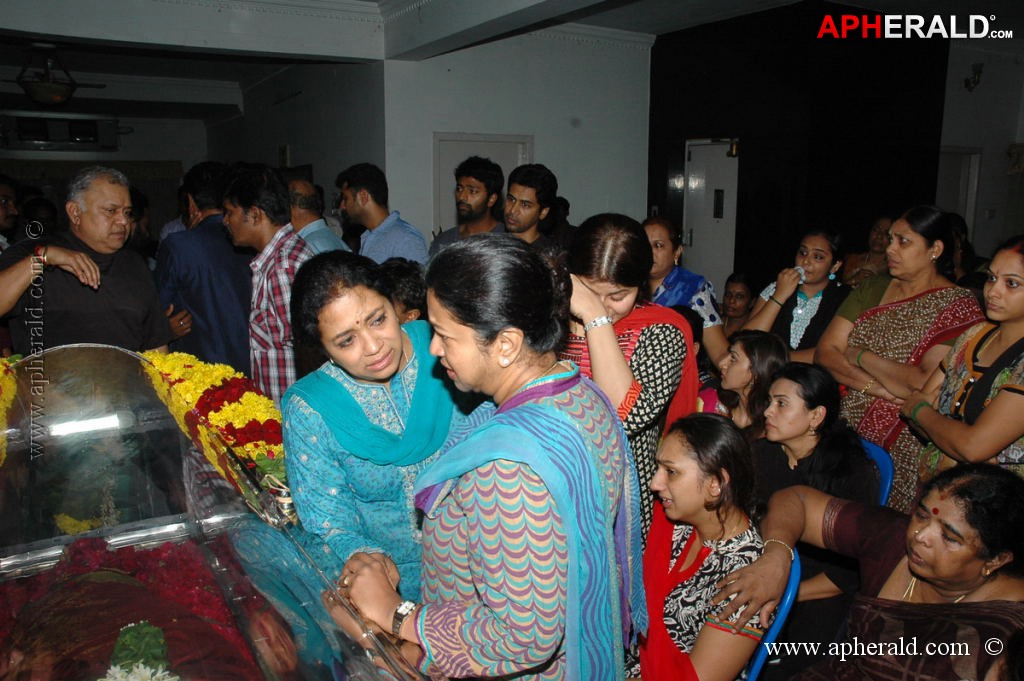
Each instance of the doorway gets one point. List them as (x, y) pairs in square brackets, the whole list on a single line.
[(710, 182), (452, 148)]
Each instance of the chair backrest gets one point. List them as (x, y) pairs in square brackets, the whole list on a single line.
[(760, 657), (886, 469)]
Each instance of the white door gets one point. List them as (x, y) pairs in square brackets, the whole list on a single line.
[(451, 149), (709, 209)]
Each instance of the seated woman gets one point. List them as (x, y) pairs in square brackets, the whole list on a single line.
[(360, 429), (754, 357), (862, 266), (803, 299), (737, 302), (951, 574), (641, 355), (702, 531), (670, 284), (531, 536), (891, 332), (971, 407), (806, 443)]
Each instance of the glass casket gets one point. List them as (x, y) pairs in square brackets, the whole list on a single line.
[(132, 535)]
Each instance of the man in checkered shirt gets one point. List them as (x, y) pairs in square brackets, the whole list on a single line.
[(257, 213)]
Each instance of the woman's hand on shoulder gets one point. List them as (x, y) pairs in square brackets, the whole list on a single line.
[(756, 588), (787, 283)]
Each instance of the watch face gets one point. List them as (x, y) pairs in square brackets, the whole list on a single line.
[(405, 607)]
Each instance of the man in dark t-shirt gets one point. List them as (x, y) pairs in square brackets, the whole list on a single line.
[(83, 286)]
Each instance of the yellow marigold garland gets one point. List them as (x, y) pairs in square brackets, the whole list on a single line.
[(8, 392), (215, 404)]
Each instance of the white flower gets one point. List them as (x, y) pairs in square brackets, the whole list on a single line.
[(139, 672)]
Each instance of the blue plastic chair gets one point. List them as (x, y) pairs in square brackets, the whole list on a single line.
[(886, 469), (760, 658)]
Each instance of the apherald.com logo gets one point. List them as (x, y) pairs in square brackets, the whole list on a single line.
[(909, 26)]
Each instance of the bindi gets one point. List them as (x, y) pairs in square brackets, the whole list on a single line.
[(935, 511)]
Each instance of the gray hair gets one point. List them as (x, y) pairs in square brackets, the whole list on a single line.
[(86, 176)]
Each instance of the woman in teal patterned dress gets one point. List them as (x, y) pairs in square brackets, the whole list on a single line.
[(358, 430), (971, 407), (531, 537)]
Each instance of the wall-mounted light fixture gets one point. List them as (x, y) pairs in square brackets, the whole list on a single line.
[(975, 77)]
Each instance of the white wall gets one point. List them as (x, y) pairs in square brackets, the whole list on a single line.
[(330, 116), (584, 96), (989, 119)]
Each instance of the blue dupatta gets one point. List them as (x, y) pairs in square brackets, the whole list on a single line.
[(548, 441), (426, 428)]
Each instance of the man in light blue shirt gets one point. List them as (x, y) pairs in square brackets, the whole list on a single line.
[(364, 200), (308, 218)]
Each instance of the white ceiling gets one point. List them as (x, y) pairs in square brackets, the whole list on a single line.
[(409, 29)]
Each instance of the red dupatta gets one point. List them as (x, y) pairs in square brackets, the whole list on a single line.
[(660, 658), (627, 331)]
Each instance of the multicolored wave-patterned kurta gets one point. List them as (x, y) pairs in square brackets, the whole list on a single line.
[(531, 541)]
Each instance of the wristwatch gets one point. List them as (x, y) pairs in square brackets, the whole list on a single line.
[(603, 320), (404, 609)]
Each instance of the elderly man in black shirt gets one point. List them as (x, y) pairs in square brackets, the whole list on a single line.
[(82, 286)]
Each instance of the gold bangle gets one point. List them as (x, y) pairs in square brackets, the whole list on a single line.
[(779, 541), (867, 386)]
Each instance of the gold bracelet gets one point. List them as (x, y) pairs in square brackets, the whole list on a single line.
[(779, 541), (867, 386)]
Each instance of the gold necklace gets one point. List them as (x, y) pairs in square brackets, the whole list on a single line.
[(913, 582)]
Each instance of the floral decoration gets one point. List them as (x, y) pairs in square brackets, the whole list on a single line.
[(8, 391), (174, 572), (217, 405)]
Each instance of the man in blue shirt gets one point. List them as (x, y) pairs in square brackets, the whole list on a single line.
[(364, 200), (199, 270), (308, 218)]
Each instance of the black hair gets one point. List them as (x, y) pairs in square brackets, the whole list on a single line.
[(494, 282), (673, 233), (8, 181), (834, 239), (204, 182), (485, 171), (1014, 244), (365, 176), (740, 278), (404, 281), (312, 202), (538, 178), (833, 460), (255, 185), (614, 248), (718, 445), (992, 501), (767, 354), (935, 225), (322, 279)]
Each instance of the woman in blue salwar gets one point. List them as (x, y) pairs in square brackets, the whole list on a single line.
[(358, 430)]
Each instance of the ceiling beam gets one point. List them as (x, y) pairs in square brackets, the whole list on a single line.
[(419, 29), (342, 30)]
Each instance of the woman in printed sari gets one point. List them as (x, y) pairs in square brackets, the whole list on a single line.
[(971, 407), (640, 354), (891, 333), (359, 429), (531, 538)]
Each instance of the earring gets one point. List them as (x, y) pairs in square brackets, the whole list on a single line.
[(934, 258), (985, 572), (503, 361), (831, 276)]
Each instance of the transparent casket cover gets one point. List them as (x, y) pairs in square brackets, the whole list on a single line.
[(109, 516)]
